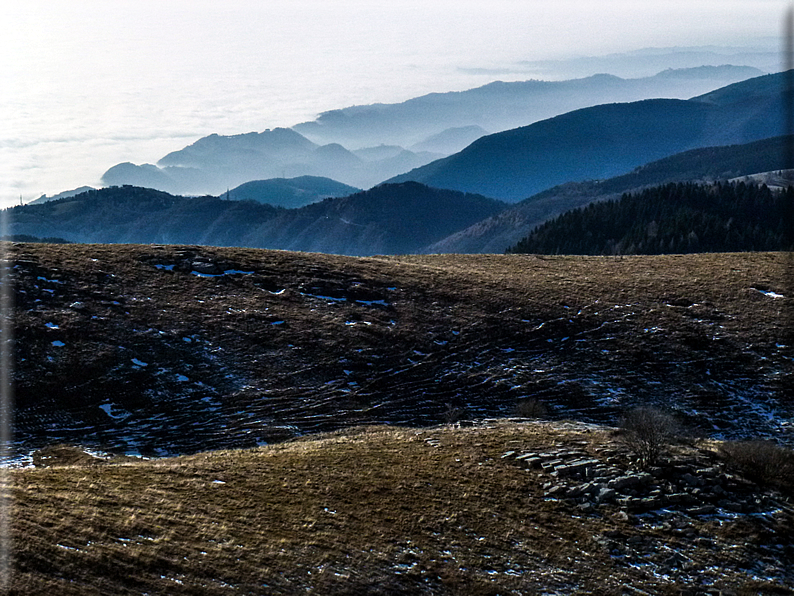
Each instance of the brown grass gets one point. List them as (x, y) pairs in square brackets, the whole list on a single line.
[(763, 461), (372, 510)]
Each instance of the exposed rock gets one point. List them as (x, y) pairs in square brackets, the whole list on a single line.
[(606, 495)]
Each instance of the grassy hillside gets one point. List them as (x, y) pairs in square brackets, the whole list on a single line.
[(384, 511), (167, 350)]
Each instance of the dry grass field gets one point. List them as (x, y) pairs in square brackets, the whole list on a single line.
[(376, 510)]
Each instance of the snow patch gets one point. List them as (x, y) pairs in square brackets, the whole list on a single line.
[(373, 302), (770, 293), (237, 272), (108, 409), (326, 298), (227, 272)]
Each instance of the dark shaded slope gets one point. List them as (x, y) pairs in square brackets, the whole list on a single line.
[(180, 349), (397, 218), (675, 218), (388, 219), (606, 141), (708, 164), (142, 215)]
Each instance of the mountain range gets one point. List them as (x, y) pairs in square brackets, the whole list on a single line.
[(216, 163), (390, 218), (431, 127), (646, 62), (565, 162), (500, 106), (607, 140)]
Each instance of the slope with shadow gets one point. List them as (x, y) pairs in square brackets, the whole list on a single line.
[(709, 164), (674, 218), (121, 214), (607, 140), (393, 218), (178, 349), (388, 219), (290, 193)]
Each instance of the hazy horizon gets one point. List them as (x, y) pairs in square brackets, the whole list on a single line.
[(92, 84)]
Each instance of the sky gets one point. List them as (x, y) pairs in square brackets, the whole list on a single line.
[(91, 83)]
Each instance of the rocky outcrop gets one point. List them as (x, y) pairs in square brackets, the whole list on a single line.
[(686, 486), (668, 520)]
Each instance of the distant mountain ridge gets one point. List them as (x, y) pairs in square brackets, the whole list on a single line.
[(500, 106), (646, 62), (388, 219), (216, 162), (60, 195), (607, 140)]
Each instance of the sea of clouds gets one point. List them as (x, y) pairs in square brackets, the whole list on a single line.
[(91, 84)]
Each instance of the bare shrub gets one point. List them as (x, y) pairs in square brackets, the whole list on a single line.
[(647, 432), (531, 408), (764, 462), (453, 414)]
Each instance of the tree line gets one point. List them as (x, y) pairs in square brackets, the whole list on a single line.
[(673, 218)]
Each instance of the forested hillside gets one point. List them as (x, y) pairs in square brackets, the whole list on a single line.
[(674, 218), (388, 219), (761, 159)]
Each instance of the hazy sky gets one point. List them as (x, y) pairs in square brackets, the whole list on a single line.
[(90, 83)]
